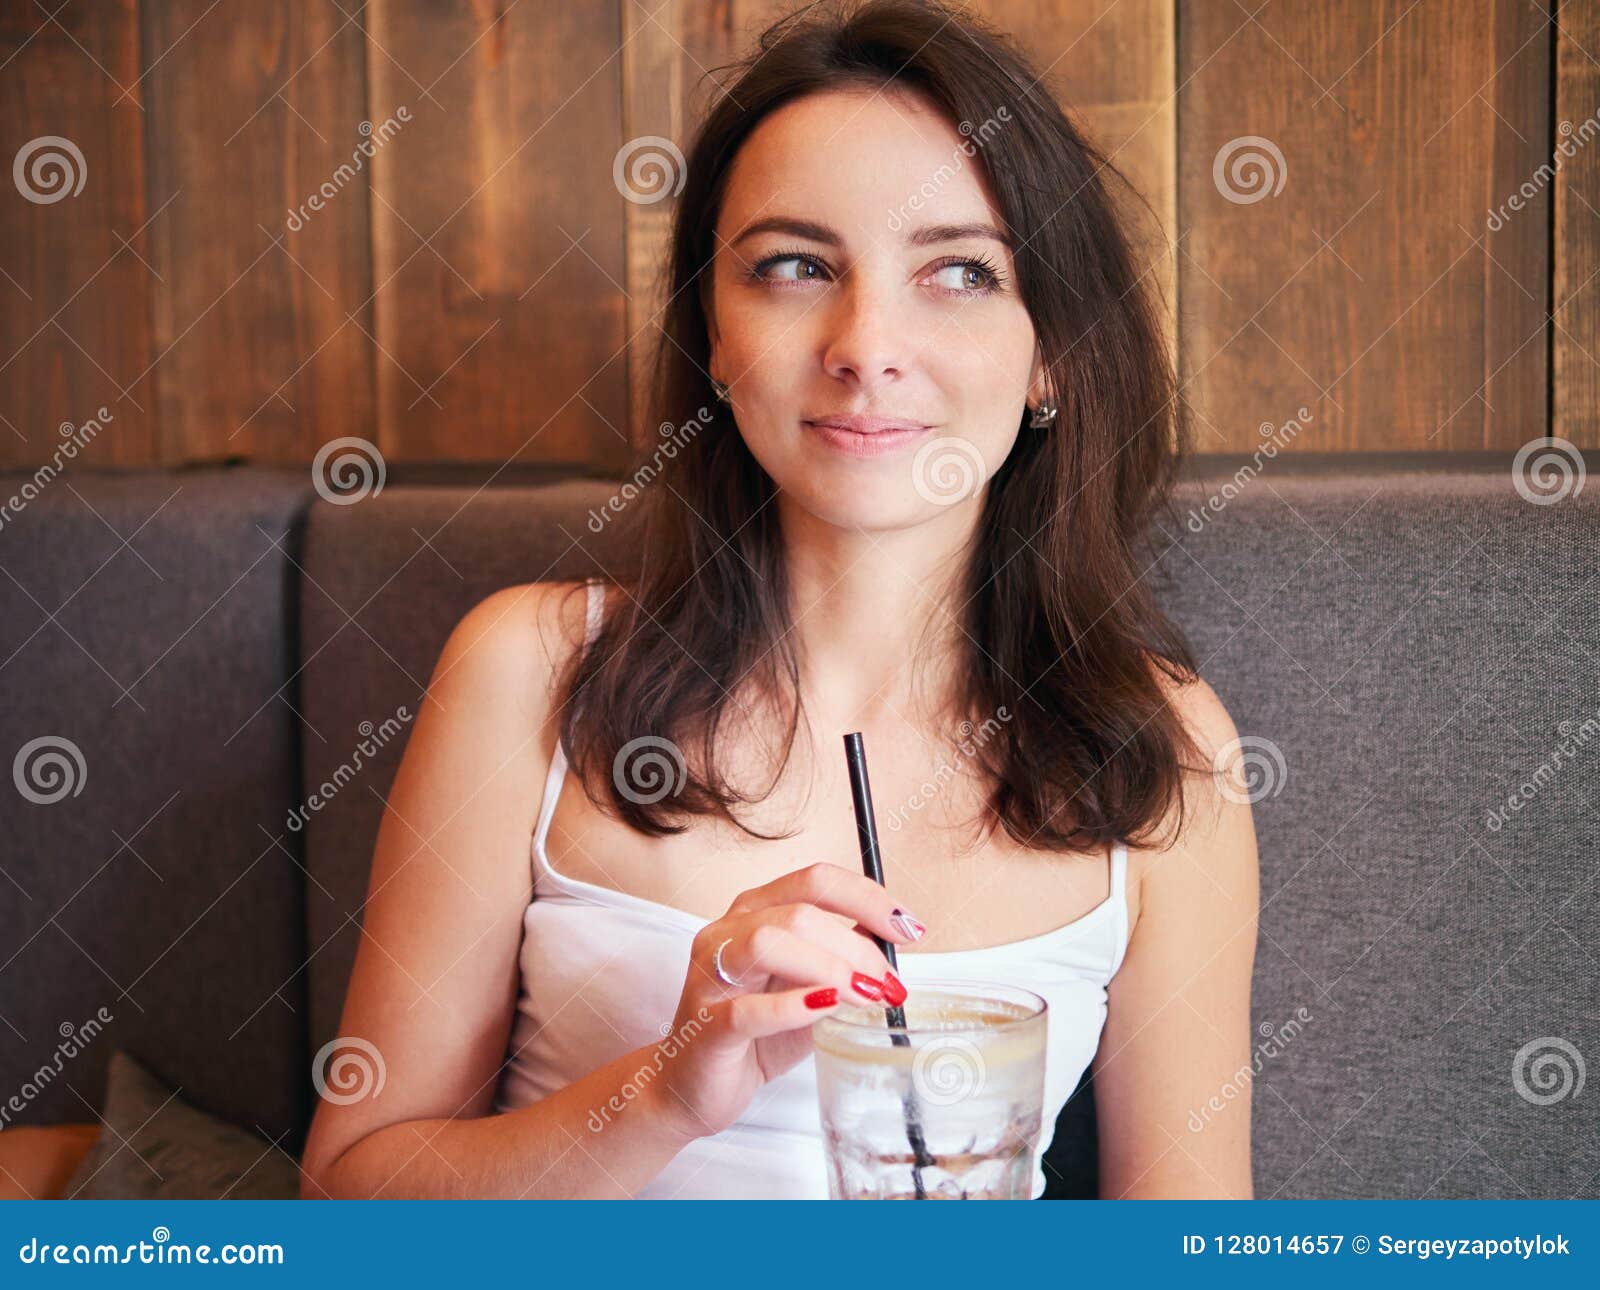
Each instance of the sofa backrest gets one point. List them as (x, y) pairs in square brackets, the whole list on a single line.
[(1407, 644), (146, 635), (1400, 641)]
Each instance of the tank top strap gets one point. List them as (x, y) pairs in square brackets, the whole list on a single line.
[(596, 608), (1119, 872)]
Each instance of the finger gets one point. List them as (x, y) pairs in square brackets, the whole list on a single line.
[(835, 888), (768, 948), (755, 1016), (833, 933)]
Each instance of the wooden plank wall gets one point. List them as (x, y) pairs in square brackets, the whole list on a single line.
[(307, 219)]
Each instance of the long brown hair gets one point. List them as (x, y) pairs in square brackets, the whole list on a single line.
[(1061, 635)]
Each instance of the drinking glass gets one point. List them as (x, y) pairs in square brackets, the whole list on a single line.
[(946, 1106)]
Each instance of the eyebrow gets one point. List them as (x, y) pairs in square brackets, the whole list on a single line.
[(927, 235)]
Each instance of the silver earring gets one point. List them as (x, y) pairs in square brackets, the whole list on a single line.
[(720, 389), (1043, 415)]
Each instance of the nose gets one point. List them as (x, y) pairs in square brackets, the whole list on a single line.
[(866, 342)]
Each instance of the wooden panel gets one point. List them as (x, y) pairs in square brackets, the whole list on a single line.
[(1373, 289), (498, 232), (252, 111), (74, 330), (1576, 324)]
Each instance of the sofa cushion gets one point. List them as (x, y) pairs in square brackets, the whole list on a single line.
[(158, 1147), (151, 888), (1405, 642)]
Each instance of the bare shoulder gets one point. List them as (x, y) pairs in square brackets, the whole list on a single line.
[(510, 645), (1212, 837)]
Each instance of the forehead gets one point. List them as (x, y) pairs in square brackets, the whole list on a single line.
[(870, 163)]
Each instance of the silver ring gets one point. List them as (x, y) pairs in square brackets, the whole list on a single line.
[(716, 962)]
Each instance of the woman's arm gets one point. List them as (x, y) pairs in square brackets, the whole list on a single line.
[(435, 981), (1178, 1029)]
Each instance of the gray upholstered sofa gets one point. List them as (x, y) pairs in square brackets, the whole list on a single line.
[(1414, 641)]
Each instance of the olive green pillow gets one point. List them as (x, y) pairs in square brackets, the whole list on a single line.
[(155, 1146)]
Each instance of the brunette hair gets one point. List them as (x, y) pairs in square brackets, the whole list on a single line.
[(1062, 637)]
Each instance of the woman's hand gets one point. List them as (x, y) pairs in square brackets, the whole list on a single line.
[(798, 947)]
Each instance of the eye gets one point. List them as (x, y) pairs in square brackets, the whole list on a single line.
[(804, 268), (967, 277)]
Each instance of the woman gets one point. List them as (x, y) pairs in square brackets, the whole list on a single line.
[(923, 416)]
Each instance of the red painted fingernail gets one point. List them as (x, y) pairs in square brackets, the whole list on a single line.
[(824, 998), (907, 925), (868, 987), (894, 992)]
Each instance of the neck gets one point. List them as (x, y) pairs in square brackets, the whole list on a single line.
[(876, 613)]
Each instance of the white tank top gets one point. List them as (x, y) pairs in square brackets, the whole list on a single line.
[(601, 973)]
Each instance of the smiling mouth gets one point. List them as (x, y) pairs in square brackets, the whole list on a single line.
[(887, 438)]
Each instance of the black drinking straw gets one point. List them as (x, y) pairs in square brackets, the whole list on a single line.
[(872, 865)]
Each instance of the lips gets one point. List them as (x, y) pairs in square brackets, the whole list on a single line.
[(881, 437), (863, 424)]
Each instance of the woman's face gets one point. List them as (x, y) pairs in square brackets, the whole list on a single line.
[(852, 279)]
